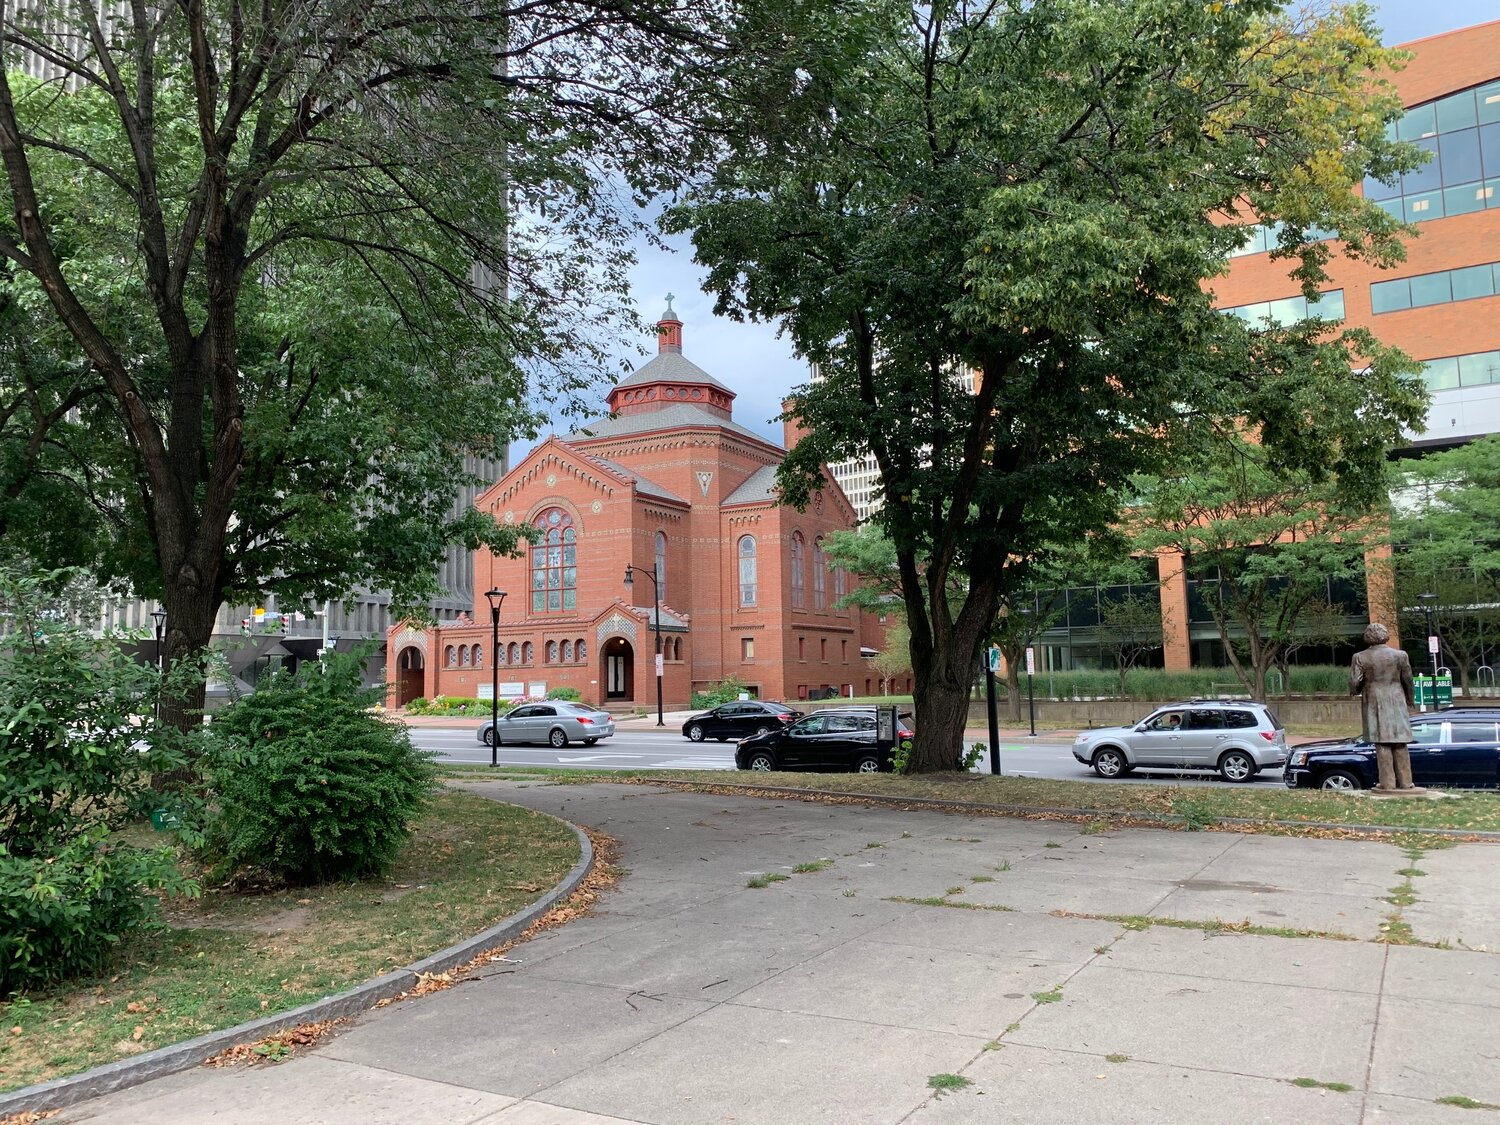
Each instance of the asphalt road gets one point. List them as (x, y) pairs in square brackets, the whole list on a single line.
[(637, 749)]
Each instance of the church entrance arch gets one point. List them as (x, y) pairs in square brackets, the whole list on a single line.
[(619, 670), (409, 669)]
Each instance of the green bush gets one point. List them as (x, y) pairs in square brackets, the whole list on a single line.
[(1159, 684), (725, 691), (308, 785), (460, 706), (77, 755), (570, 694)]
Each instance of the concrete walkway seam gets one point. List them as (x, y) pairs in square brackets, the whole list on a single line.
[(942, 804), (123, 1073)]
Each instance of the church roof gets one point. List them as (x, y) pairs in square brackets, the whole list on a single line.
[(680, 416), (759, 487), (641, 483), (669, 620), (672, 367)]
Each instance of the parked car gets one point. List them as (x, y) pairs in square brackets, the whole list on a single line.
[(1451, 749), (835, 738), (739, 719), (556, 722), (1238, 739)]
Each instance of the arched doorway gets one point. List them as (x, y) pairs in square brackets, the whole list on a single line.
[(619, 670), (409, 668)]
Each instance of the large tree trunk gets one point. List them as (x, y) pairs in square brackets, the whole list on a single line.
[(1012, 690), (942, 703)]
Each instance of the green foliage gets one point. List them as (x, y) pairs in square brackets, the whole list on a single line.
[(934, 202), (973, 757), (457, 705), (571, 694), (77, 754), (1158, 685), (308, 784), (725, 691)]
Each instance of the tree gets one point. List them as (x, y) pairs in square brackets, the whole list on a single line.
[(1262, 543), (1033, 194), (1447, 532), (1129, 628), (311, 253)]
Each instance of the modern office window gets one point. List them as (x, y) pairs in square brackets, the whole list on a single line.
[(554, 563), (1287, 311), (1461, 132), (1261, 238), (747, 570), (1435, 288), (1478, 369)]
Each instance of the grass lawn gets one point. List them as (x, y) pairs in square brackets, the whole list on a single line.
[(1475, 812), (228, 958)]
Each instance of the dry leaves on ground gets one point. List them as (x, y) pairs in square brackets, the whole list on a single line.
[(274, 1048), (29, 1117)]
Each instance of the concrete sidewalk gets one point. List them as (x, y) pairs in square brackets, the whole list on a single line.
[(835, 995)]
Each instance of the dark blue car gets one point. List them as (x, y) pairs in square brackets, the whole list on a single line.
[(1455, 749)]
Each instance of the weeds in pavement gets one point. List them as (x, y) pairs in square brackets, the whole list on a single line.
[(934, 901), (947, 1083), (1314, 1084), (1464, 1103), (1050, 997), (1117, 1058), (815, 865), (759, 881)]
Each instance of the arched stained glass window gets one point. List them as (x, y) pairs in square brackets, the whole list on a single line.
[(479, 656), (799, 588), (840, 585), (513, 653), (528, 653), (567, 652), (820, 575), (551, 652), (554, 563), (747, 570), (450, 657), (580, 651)]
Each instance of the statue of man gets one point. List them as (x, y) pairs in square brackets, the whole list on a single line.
[(1381, 676)]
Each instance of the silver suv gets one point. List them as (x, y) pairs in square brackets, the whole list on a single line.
[(1238, 739)]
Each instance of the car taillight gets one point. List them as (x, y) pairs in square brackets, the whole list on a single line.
[(582, 719), (1268, 735), (902, 732)]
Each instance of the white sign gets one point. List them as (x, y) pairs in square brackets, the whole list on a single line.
[(994, 660), (659, 669), (486, 691), (1031, 661), (537, 689), (513, 689), (1433, 646)]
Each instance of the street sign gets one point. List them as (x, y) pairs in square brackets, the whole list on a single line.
[(1030, 661), (994, 660), (1434, 646), (659, 669)]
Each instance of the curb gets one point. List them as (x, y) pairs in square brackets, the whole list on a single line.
[(942, 804), (123, 1073)]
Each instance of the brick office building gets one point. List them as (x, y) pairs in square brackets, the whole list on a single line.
[(668, 481)]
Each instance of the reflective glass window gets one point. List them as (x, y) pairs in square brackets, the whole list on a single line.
[(1488, 98), (1463, 199), (1456, 112), (1390, 296), (1420, 208), (1376, 189), (1460, 153), (1329, 306), (1288, 311), (1430, 289), (1489, 149), (1418, 122), (1428, 175), (1480, 369), (1441, 374), (1476, 281)]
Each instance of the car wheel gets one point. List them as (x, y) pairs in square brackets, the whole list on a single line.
[(868, 763), (695, 732), (558, 738), (1110, 763), (590, 741), (1341, 781), (762, 729), (1236, 766), (489, 737), (762, 761)]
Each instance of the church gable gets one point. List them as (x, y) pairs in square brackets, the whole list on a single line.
[(552, 466)]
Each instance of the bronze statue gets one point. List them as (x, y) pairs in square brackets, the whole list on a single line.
[(1381, 676)]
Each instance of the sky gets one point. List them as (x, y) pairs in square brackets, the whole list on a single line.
[(757, 363)]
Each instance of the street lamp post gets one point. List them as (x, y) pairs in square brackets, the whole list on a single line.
[(160, 617), (656, 623), (1027, 611), (496, 599), (1432, 644)]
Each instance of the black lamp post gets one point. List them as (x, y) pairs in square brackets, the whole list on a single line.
[(656, 623), (160, 617), (1432, 649), (496, 599)]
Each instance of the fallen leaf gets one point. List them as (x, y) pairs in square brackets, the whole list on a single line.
[(135, 1006), (137, 1033)]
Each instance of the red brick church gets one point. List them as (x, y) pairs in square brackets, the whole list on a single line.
[(669, 482)]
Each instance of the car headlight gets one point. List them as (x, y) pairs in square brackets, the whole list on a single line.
[(1299, 758)]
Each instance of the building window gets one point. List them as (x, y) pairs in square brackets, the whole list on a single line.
[(567, 652), (580, 651), (822, 648), (747, 570), (799, 594), (450, 657), (1435, 288), (1290, 310), (661, 565), (479, 656), (820, 575), (840, 587), (1479, 369), (747, 648), (554, 563), (844, 651), (551, 652), (528, 653), (513, 653), (801, 648)]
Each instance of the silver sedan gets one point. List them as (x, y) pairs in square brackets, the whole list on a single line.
[(556, 722)]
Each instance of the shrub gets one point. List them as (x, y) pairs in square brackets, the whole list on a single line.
[(1157, 684), (571, 694), (725, 691), (308, 785), (77, 754), (454, 705)]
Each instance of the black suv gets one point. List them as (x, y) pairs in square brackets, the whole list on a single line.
[(835, 738), (1457, 748), (739, 720)]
